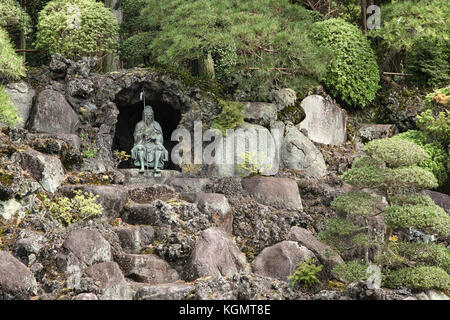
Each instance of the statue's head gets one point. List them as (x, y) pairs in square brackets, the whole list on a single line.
[(148, 113)]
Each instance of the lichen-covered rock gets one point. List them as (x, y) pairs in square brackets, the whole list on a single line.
[(147, 268), (166, 291), (29, 243), (16, 281), (280, 261), (369, 131), (47, 170), (299, 153), (214, 205), (53, 114), (183, 184), (261, 113), (83, 248), (215, 254), (21, 94), (109, 281), (9, 209), (280, 193), (325, 122), (135, 239), (283, 98)]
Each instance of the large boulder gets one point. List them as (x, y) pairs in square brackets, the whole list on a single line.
[(325, 122), (166, 291), (280, 193), (215, 254), (21, 94), (83, 248), (283, 98), (280, 260), (135, 239), (112, 198), (147, 268), (47, 170), (110, 284), (299, 153), (369, 131), (216, 206), (260, 113), (53, 114), (322, 251), (16, 281)]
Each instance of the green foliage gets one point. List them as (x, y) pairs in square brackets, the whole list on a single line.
[(136, 47), (89, 148), (351, 271), (255, 44), (405, 178), (403, 22), (81, 207), (306, 274), (366, 161), (11, 65), (422, 277), (357, 203), (431, 218), (436, 127), (428, 63), (119, 157), (353, 74), (253, 163), (61, 31), (342, 234), (425, 253), (231, 116), (438, 158), (13, 18), (395, 153), (365, 176), (8, 111), (411, 199)]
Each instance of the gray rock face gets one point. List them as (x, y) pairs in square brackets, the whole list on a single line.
[(21, 94), (47, 170), (53, 114), (323, 252), (85, 296), (299, 153), (110, 282), (16, 281), (135, 239), (280, 261), (215, 254), (261, 113), (325, 122), (83, 248), (29, 243), (369, 131), (112, 198), (214, 205), (147, 268), (283, 98), (189, 184), (280, 193), (166, 291), (9, 209)]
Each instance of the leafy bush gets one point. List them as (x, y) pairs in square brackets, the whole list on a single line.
[(428, 63), (351, 271), (11, 65), (8, 111), (231, 116), (306, 274), (135, 48), (356, 203), (438, 158), (67, 211), (59, 31), (342, 234), (255, 44), (422, 277), (13, 18), (427, 253), (353, 73)]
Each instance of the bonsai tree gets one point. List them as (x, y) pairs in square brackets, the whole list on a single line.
[(390, 168), (77, 28)]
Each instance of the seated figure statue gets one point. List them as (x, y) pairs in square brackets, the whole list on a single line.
[(148, 150)]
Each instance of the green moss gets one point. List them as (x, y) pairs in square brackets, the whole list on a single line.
[(294, 114), (6, 179)]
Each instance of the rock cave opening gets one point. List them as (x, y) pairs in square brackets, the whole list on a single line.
[(131, 108)]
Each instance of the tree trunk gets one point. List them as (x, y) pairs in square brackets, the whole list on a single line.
[(206, 67), (112, 60), (364, 15)]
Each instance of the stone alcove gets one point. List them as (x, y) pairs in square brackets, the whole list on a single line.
[(167, 110)]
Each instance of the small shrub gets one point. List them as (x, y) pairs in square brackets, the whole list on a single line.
[(119, 157), (231, 116), (253, 163), (437, 127), (427, 253), (353, 74), (67, 211), (13, 18), (341, 234), (8, 111), (422, 278), (357, 203), (306, 274), (351, 271), (88, 147), (11, 65)]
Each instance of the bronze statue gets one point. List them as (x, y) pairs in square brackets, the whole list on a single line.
[(148, 150)]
